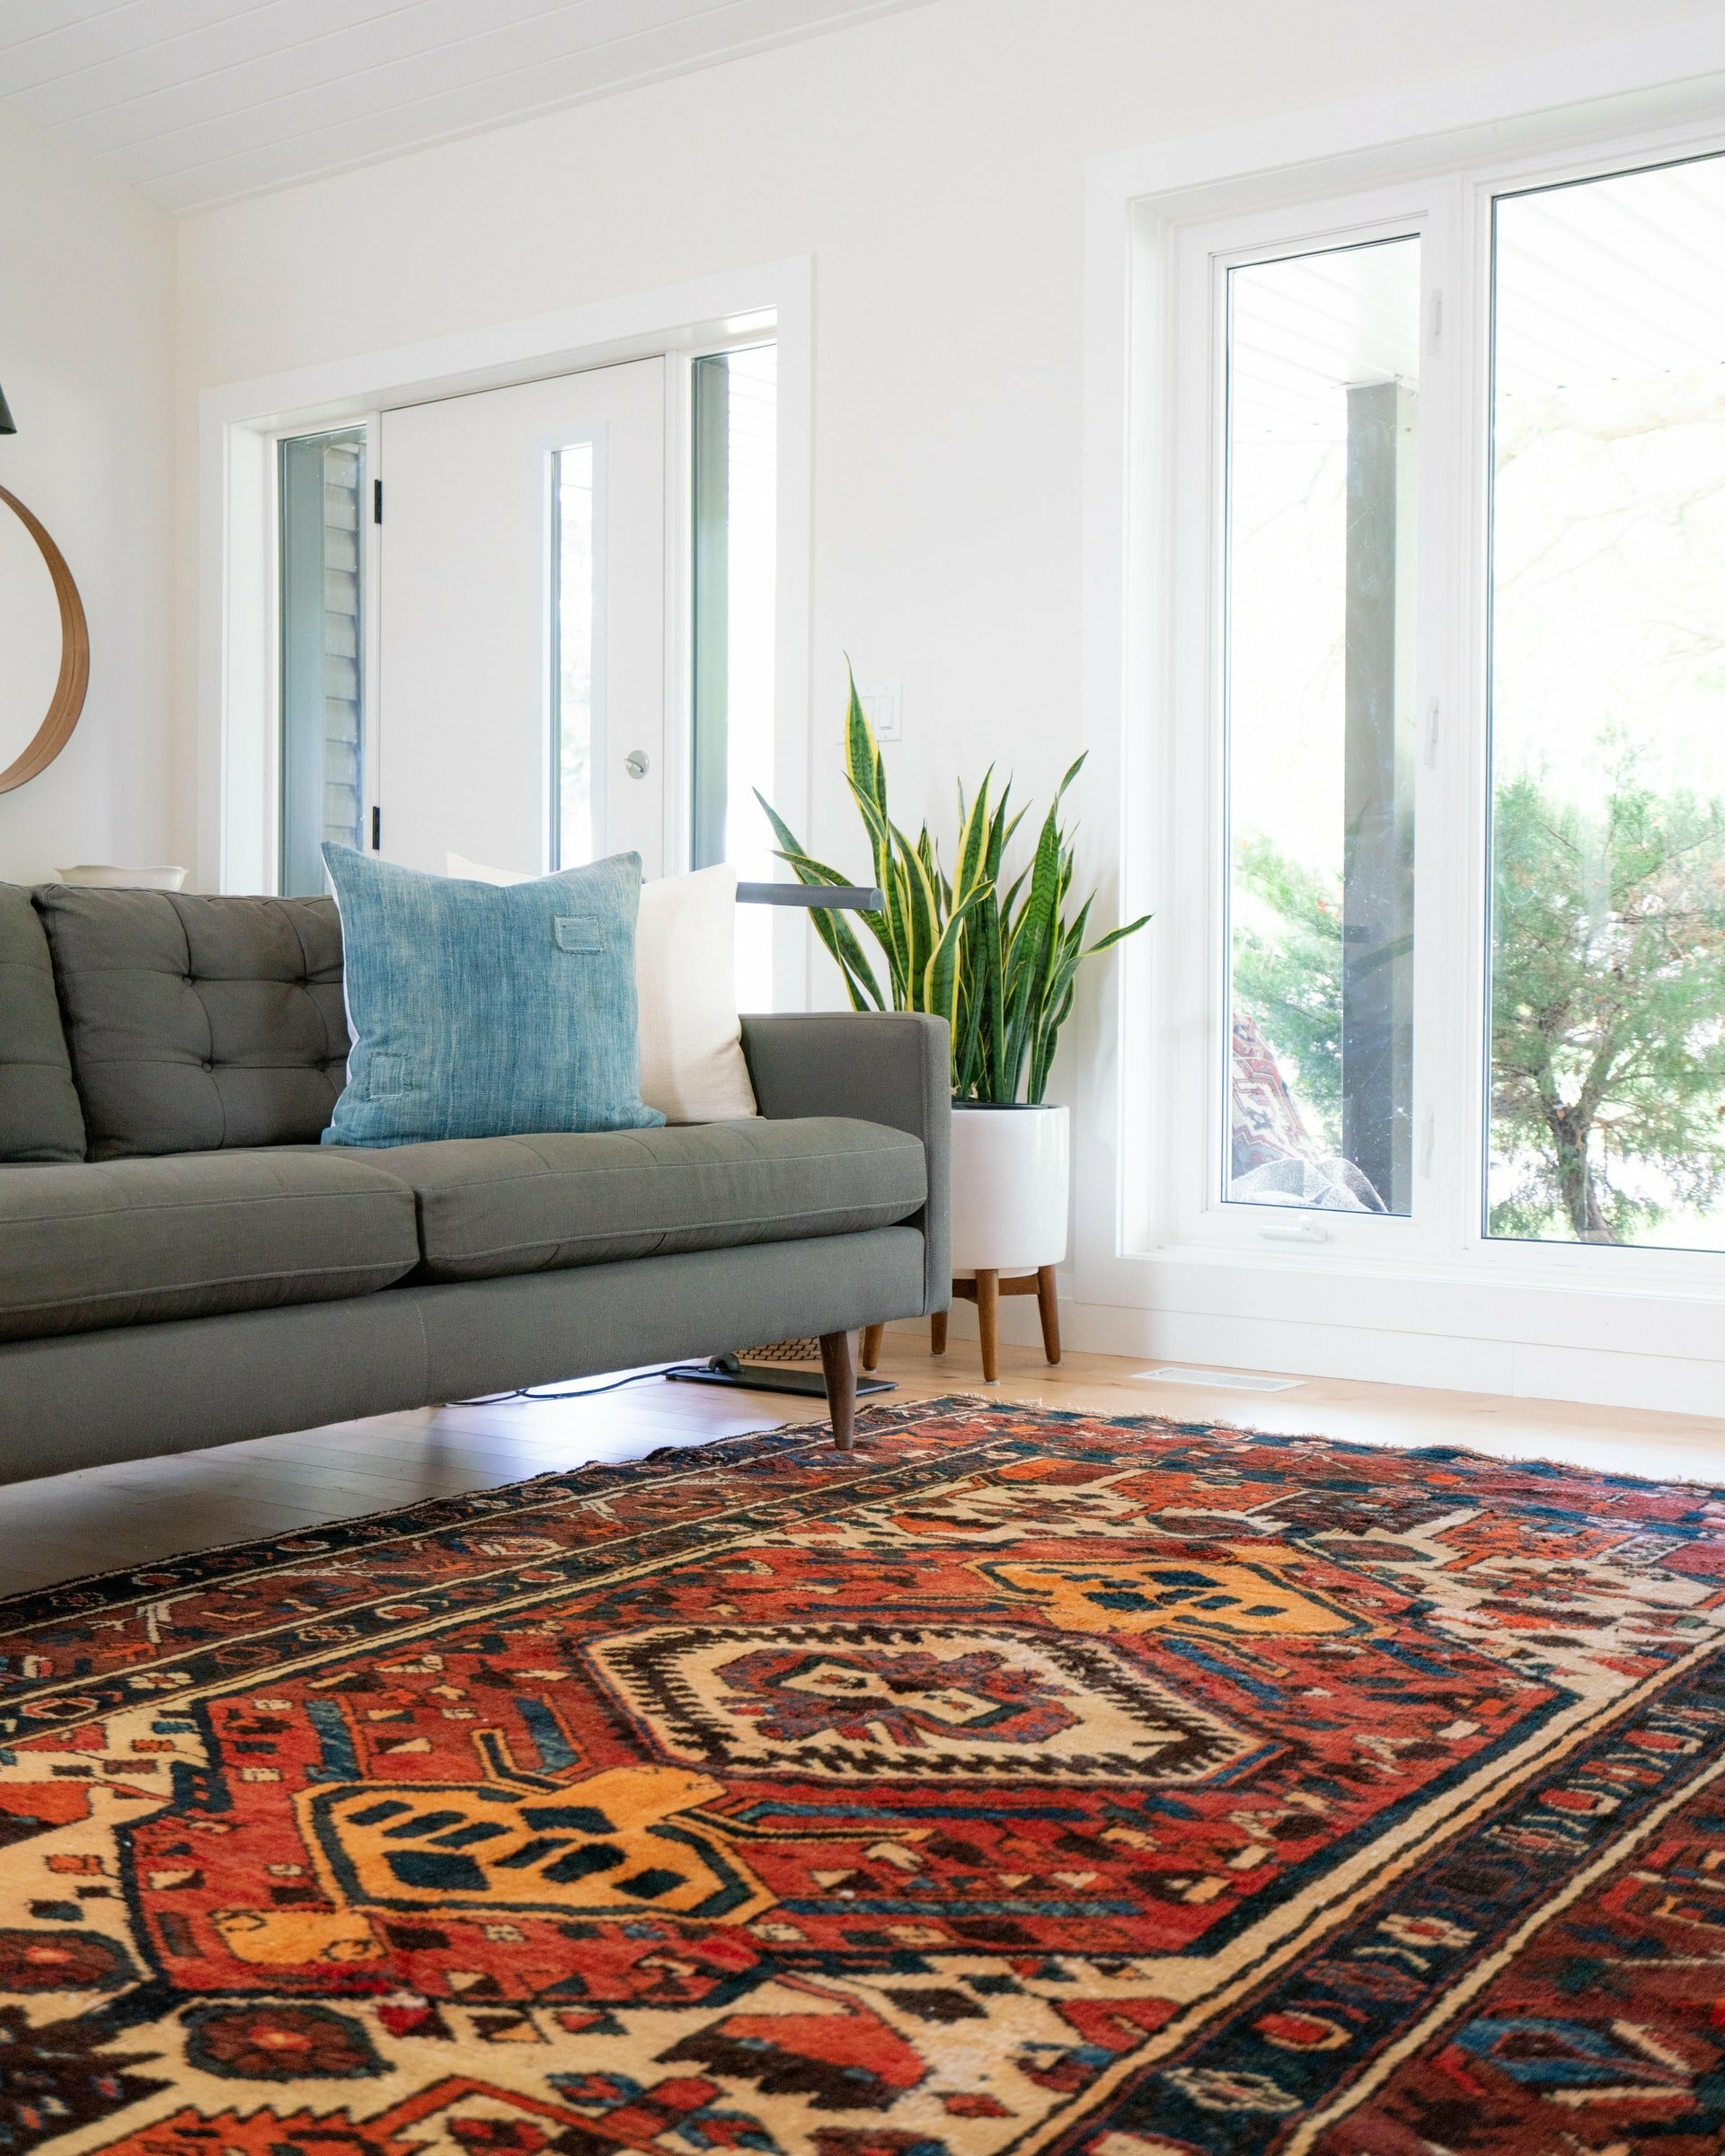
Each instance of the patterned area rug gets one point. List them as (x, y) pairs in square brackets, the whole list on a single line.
[(1023, 1781)]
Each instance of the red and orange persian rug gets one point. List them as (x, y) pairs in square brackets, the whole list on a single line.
[(1023, 1781)]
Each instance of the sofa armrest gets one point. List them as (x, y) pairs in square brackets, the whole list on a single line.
[(881, 1066)]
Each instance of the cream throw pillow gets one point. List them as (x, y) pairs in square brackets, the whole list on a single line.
[(692, 1066)]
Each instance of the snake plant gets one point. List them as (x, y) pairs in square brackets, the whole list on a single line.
[(997, 963)]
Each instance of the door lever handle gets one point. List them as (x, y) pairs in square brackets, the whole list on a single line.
[(637, 764)]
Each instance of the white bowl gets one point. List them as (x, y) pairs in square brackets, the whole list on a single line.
[(103, 877)]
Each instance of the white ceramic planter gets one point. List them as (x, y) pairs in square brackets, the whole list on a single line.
[(1010, 1179)]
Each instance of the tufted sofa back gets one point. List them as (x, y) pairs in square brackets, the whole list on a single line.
[(40, 1116), (198, 1022)]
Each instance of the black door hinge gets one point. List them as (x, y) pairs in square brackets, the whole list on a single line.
[(377, 501), (376, 829)]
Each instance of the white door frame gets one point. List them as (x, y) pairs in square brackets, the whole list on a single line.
[(239, 422)]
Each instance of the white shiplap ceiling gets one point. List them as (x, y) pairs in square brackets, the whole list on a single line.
[(198, 101)]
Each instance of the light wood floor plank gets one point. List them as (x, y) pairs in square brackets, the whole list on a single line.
[(139, 1512)]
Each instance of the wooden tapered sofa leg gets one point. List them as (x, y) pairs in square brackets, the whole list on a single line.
[(873, 1336), (840, 1372), (937, 1333)]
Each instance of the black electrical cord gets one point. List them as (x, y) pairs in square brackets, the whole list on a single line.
[(495, 1399)]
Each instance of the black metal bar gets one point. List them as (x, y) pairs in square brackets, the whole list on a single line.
[(842, 897), (768, 1377)]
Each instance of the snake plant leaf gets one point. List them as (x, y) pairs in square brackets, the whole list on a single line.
[(860, 983), (832, 927), (1116, 935), (1036, 924), (997, 958), (861, 751), (976, 834), (922, 910), (867, 780), (1036, 1085), (840, 939), (791, 849), (940, 980), (866, 771), (837, 933)]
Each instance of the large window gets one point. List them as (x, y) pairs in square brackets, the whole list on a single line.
[(1445, 722), (321, 779)]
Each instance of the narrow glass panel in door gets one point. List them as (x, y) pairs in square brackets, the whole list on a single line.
[(1607, 687), (735, 434), (577, 745), (321, 778), (1323, 368)]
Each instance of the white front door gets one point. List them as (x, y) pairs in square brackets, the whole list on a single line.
[(521, 624)]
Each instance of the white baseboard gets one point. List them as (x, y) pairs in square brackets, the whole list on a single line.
[(1519, 1370)]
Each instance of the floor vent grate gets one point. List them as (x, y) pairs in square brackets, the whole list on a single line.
[(1223, 1380)]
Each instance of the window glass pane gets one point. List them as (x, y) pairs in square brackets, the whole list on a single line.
[(577, 837), (1607, 1078), (321, 479), (1322, 419), (736, 567)]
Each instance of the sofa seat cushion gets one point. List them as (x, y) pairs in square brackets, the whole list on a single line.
[(89, 1245), (490, 1207)]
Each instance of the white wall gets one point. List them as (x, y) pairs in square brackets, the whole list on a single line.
[(932, 164), (86, 361)]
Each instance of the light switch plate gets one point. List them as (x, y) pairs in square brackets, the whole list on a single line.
[(884, 701)]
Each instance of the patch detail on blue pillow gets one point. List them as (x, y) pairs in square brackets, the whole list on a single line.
[(467, 1020), (385, 1075), (578, 934)]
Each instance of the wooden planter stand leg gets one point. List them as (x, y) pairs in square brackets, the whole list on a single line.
[(989, 1323), (873, 1336), (840, 1373), (1047, 1304), (985, 1290), (937, 1333)]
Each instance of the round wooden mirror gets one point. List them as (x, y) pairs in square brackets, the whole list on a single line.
[(46, 643)]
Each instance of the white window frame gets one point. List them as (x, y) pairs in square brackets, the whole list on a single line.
[(1162, 1264), (1453, 218), (1190, 1178)]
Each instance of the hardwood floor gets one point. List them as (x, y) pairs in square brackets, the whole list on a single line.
[(100, 1518)]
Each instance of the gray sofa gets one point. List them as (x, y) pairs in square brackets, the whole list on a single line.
[(182, 1263)]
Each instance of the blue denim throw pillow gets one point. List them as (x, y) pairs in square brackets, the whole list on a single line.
[(478, 1011)]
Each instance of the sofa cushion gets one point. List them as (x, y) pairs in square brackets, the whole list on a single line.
[(484, 1009), (197, 1023), (495, 1205), (118, 1242), (40, 1115)]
